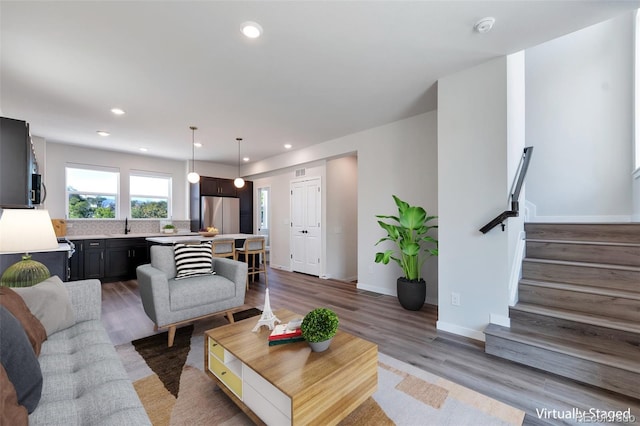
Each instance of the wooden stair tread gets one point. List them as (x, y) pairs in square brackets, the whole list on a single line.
[(580, 317), (609, 357), (583, 242), (582, 288), (583, 264)]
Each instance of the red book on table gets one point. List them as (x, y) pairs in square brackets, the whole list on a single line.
[(280, 331)]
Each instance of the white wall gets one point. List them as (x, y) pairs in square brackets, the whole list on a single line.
[(579, 92), (342, 218), (477, 115), (398, 158), (58, 155), (280, 185)]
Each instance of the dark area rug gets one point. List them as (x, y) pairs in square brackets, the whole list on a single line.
[(166, 362), (248, 313)]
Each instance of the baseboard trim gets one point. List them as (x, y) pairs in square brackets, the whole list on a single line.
[(500, 320), (374, 289), (461, 331), (581, 219), (281, 267)]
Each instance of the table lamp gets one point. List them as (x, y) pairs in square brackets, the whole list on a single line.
[(24, 231)]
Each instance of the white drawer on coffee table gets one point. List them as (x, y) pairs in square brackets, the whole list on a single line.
[(264, 399)]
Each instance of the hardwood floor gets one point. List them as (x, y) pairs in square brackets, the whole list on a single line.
[(406, 335)]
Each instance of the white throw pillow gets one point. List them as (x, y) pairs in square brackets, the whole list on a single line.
[(49, 302), (193, 260)]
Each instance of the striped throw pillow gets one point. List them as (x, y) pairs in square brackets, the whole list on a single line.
[(193, 260)]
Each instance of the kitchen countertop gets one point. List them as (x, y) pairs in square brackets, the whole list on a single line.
[(178, 238), (61, 247), (129, 235)]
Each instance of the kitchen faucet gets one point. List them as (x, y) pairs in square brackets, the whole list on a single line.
[(126, 228)]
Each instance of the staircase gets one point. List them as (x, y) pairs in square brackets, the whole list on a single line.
[(578, 313)]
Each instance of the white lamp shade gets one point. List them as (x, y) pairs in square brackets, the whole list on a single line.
[(193, 177), (26, 230), (238, 182)]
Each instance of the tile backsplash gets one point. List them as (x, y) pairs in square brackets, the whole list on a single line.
[(98, 227)]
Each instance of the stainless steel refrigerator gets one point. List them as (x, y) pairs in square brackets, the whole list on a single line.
[(220, 212)]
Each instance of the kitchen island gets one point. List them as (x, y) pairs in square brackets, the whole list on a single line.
[(239, 238)]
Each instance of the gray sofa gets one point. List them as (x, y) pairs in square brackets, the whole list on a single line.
[(84, 381), (169, 302)]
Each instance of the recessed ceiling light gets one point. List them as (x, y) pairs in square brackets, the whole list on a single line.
[(245, 159), (197, 144), (287, 145), (143, 149), (484, 25), (103, 133), (251, 29), (117, 111)]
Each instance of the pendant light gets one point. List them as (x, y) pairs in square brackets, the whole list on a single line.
[(193, 177), (238, 182)]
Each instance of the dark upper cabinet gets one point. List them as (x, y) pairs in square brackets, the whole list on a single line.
[(17, 164), (211, 186), (217, 187)]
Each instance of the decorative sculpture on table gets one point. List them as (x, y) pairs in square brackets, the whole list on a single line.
[(267, 318)]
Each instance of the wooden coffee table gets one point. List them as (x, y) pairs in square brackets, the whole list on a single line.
[(288, 383)]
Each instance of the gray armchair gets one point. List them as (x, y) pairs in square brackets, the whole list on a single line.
[(169, 302)]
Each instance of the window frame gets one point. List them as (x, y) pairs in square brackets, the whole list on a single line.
[(157, 175), (95, 168)]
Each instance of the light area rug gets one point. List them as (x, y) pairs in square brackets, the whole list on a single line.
[(406, 395)]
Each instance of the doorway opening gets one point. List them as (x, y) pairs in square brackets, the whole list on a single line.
[(264, 216)]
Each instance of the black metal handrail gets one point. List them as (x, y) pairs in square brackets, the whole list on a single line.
[(515, 195)]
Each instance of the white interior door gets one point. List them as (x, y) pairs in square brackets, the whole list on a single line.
[(306, 235)]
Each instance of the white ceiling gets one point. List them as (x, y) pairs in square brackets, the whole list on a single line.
[(322, 69)]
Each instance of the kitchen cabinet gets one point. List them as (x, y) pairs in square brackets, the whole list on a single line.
[(123, 256), (246, 208), (87, 260), (76, 262), (110, 259), (211, 186), (217, 187), (93, 259), (18, 166)]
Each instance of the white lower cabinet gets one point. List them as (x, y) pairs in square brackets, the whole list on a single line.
[(264, 399)]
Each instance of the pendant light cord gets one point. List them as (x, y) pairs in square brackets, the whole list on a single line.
[(193, 147), (239, 140)]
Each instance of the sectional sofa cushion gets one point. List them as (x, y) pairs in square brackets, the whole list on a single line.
[(49, 301), (31, 325), (19, 361)]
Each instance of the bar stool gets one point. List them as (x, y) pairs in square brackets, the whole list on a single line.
[(223, 247), (254, 245)]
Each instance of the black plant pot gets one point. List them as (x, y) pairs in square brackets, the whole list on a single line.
[(412, 293)]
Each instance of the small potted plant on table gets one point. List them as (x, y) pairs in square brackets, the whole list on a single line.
[(318, 328)]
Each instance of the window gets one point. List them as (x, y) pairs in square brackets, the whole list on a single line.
[(92, 192), (150, 196)]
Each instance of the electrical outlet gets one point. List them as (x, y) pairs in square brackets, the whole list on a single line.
[(455, 299)]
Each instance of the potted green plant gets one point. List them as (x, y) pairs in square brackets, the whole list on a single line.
[(168, 228), (409, 231), (318, 328)]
